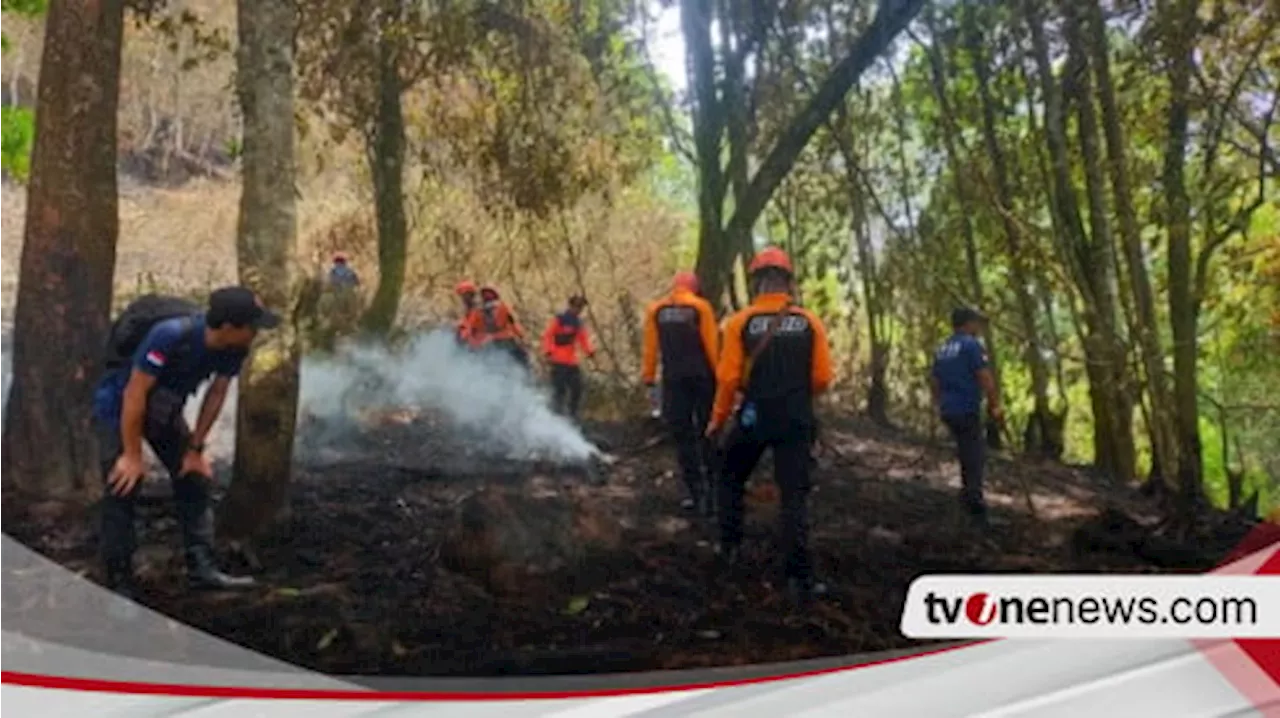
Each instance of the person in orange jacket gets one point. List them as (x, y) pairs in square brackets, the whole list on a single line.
[(564, 336), (466, 291), (493, 326), (774, 360), (681, 328)]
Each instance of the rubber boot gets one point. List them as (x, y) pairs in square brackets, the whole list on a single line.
[(196, 520), (203, 573)]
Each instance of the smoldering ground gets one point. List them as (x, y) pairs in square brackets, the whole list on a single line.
[(484, 404)]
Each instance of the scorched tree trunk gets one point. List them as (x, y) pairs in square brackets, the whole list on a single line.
[(68, 254)]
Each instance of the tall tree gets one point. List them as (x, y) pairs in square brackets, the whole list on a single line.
[(68, 256), (1147, 321), (721, 241), (1179, 22), (265, 245)]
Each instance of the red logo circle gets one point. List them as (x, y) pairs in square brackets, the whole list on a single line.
[(980, 609)]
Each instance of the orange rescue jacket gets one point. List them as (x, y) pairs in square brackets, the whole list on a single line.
[(681, 329), (564, 336), (732, 372)]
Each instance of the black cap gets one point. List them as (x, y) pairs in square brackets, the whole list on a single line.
[(577, 300), (961, 316), (241, 307)]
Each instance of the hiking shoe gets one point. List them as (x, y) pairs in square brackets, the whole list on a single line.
[(688, 504)]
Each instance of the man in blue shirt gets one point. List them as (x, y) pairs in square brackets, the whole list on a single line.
[(145, 400), (961, 376)]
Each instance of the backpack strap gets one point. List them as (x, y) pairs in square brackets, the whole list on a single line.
[(764, 343)]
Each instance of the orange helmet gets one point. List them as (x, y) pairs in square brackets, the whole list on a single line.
[(685, 280), (466, 286), (488, 293), (771, 257)]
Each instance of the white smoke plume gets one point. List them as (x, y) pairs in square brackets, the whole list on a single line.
[(488, 401), (485, 397)]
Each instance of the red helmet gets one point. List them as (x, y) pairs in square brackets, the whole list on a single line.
[(771, 257), (685, 280), (340, 257), (488, 293), (466, 286)]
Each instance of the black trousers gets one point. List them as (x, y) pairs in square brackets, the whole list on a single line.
[(791, 473), (566, 389), (165, 430), (686, 407), (967, 429)]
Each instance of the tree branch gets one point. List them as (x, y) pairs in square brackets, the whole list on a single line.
[(891, 18)]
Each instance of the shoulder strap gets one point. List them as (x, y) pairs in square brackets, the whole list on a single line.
[(764, 342)]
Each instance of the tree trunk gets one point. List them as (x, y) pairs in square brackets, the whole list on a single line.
[(386, 163), (265, 244), (1014, 242), (968, 209), (1076, 251), (1179, 43), (718, 247), (1111, 397), (714, 255), (1148, 335), (68, 256)]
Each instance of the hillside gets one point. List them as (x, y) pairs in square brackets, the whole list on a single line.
[(406, 554)]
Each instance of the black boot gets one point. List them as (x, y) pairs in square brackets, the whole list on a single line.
[(202, 572), (196, 519)]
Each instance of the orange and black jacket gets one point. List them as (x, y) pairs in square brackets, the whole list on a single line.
[(490, 322), (793, 367), (681, 327), (564, 336)]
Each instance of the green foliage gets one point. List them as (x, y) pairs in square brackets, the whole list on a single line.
[(19, 131)]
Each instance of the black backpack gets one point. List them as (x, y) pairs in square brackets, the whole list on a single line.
[(143, 313)]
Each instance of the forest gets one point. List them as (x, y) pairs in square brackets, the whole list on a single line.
[(1098, 176)]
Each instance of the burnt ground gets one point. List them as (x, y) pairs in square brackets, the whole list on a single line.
[(407, 559)]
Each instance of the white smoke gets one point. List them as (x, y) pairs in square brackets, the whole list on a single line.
[(485, 397), (488, 400)]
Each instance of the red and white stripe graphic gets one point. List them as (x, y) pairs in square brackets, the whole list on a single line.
[(1011, 677)]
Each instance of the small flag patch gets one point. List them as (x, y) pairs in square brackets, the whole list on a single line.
[(155, 358)]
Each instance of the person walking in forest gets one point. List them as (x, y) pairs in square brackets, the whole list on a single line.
[(961, 376), (680, 329), (564, 336), (161, 350), (774, 360)]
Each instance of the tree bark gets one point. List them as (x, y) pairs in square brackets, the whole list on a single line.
[(1179, 41), (718, 245), (1148, 335), (386, 164), (265, 244), (968, 208), (1110, 396), (1014, 242), (68, 256), (1099, 313)]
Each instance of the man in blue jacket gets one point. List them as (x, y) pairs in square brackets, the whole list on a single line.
[(144, 400), (961, 377)]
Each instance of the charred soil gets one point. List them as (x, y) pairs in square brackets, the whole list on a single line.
[(406, 559)]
